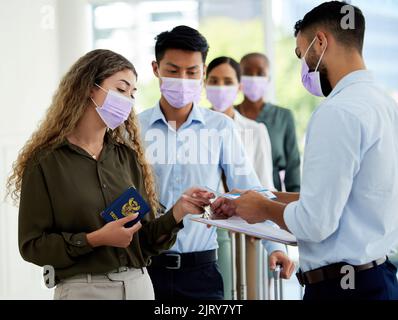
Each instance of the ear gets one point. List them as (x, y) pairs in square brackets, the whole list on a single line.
[(204, 71), (155, 68), (240, 88), (92, 92), (322, 40)]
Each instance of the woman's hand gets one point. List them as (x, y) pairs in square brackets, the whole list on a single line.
[(114, 234), (193, 201)]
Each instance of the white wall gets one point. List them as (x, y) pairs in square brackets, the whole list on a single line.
[(36, 36)]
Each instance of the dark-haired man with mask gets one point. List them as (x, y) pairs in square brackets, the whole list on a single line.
[(189, 145), (345, 218)]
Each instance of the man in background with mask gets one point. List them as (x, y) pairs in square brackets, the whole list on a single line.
[(279, 121), (345, 218), (189, 145)]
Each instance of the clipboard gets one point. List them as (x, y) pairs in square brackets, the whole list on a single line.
[(258, 230)]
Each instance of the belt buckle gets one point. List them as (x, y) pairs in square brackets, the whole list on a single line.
[(178, 265)]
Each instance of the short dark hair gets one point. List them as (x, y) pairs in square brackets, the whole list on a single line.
[(221, 60), (256, 55), (183, 38), (330, 15)]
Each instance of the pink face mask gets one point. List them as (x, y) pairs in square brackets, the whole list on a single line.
[(222, 97), (116, 108), (312, 80), (181, 92), (255, 88)]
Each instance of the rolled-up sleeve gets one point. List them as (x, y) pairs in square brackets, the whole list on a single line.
[(331, 161), (38, 243)]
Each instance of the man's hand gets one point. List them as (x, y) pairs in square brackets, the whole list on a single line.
[(250, 206), (224, 208), (192, 202), (287, 265)]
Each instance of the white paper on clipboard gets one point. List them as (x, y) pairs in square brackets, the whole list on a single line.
[(258, 230)]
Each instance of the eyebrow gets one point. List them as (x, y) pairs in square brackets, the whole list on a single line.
[(177, 67), (126, 82)]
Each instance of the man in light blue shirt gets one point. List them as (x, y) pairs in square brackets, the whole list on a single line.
[(191, 146), (345, 218)]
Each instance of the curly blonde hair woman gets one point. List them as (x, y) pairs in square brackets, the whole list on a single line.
[(85, 154)]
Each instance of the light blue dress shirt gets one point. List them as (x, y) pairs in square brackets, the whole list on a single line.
[(195, 155), (348, 207)]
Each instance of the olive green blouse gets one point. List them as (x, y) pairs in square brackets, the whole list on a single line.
[(64, 190)]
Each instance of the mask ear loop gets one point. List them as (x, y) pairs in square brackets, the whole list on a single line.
[(320, 59), (93, 99), (101, 87), (309, 47)]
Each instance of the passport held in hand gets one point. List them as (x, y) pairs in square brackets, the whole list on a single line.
[(130, 202)]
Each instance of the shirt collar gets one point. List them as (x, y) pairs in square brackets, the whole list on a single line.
[(196, 115), (352, 78)]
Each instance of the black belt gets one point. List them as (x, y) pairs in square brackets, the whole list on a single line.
[(333, 272), (177, 261)]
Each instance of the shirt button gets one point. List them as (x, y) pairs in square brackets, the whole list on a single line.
[(104, 186), (78, 242)]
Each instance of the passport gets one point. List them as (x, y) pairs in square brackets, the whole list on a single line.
[(130, 202)]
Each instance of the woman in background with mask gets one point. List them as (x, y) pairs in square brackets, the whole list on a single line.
[(83, 156), (279, 121), (222, 87)]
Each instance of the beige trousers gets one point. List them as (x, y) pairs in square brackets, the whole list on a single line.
[(134, 284)]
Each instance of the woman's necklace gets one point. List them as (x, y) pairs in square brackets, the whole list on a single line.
[(94, 155)]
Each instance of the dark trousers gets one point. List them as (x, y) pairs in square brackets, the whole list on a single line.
[(202, 282), (379, 283)]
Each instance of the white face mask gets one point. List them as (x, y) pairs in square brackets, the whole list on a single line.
[(181, 92), (222, 97), (255, 88), (115, 109)]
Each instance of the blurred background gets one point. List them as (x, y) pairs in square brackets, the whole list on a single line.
[(41, 39)]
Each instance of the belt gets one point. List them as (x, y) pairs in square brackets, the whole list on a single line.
[(333, 272), (177, 261), (98, 277)]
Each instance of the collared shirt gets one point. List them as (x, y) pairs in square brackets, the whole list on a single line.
[(64, 190), (348, 204), (256, 141), (195, 155), (285, 153)]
